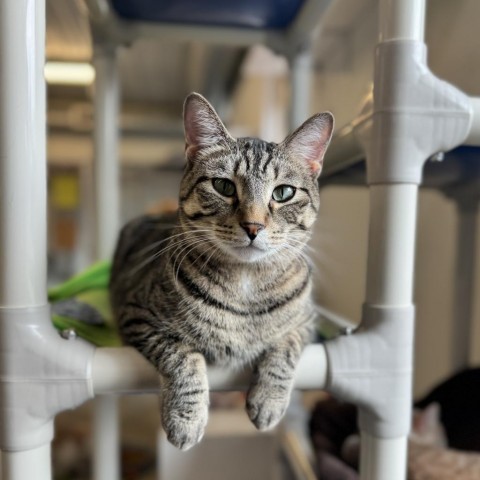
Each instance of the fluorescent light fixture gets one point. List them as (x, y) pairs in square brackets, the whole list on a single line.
[(69, 73)]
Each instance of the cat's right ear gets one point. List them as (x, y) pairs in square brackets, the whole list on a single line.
[(309, 142), (203, 128)]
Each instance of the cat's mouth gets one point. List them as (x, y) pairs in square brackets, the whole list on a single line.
[(248, 253)]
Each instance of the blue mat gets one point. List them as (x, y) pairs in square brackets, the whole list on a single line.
[(253, 14)]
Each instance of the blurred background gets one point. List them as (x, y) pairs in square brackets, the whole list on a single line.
[(250, 89)]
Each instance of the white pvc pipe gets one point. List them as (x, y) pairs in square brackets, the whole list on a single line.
[(106, 165), (301, 79), (106, 458), (473, 137), (124, 370), (402, 19), (23, 219), (106, 435), (382, 458), (26, 465), (391, 251)]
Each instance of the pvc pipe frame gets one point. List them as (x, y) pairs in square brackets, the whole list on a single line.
[(23, 236), (106, 435), (23, 219)]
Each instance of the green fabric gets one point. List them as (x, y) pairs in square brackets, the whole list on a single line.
[(95, 277), (90, 287)]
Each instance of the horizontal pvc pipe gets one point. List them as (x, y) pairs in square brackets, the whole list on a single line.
[(391, 252), (402, 19), (27, 464), (473, 137), (23, 219), (124, 370), (227, 36), (383, 458)]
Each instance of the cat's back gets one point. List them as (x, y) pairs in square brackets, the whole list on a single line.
[(139, 246), (437, 463), (459, 399)]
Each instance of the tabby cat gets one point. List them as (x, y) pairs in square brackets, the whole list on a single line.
[(225, 281)]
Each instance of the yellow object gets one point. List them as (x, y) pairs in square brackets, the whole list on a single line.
[(64, 191)]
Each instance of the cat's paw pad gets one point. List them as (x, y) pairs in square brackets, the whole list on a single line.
[(185, 428), (264, 412)]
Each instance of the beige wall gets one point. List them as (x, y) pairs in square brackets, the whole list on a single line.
[(340, 243)]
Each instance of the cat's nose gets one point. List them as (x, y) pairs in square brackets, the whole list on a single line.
[(252, 229)]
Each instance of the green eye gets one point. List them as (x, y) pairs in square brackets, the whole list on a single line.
[(283, 193), (224, 187)]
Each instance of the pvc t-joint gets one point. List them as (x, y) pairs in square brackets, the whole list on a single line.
[(415, 114), (373, 369), (41, 374)]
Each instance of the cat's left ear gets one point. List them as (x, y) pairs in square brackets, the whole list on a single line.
[(203, 127), (309, 142)]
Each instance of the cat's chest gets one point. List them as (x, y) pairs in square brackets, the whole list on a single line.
[(247, 286)]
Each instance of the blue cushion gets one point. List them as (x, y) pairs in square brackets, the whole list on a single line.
[(254, 14)]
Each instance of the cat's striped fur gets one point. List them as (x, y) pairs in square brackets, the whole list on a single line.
[(436, 463), (225, 281)]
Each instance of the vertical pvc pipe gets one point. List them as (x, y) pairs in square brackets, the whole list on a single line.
[(301, 79), (23, 219), (31, 464), (402, 20), (106, 439), (23, 180), (106, 458), (106, 137), (391, 255), (467, 213), (383, 460), (393, 211), (391, 250)]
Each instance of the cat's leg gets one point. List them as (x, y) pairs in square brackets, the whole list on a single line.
[(184, 393), (269, 393), (185, 396)]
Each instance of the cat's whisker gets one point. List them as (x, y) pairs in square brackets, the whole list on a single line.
[(156, 244), (208, 259), (187, 247), (311, 251), (295, 250), (160, 252), (156, 255)]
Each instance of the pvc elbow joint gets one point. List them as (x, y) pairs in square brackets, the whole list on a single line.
[(373, 369), (415, 115), (41, 374)]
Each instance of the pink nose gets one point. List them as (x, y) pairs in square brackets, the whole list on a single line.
[(252, 229)]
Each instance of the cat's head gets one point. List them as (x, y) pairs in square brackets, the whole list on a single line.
[(427, 428), (248, 198)]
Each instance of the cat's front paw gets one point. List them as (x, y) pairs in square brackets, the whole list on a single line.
[(184, 424), (185, 429), (265, 410)]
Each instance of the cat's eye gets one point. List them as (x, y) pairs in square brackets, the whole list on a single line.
[(283, 193), (224, 187)]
